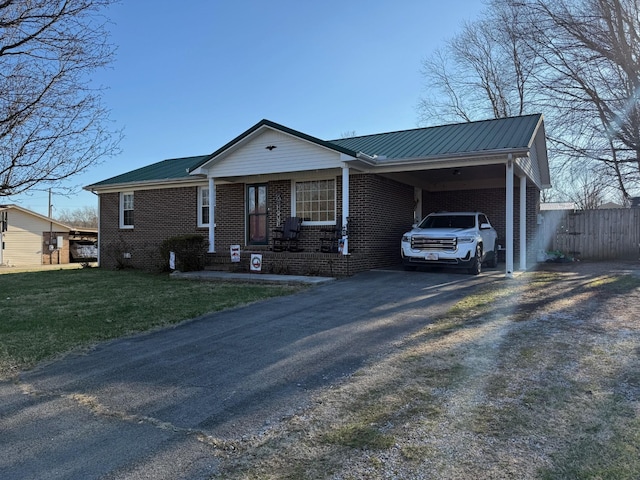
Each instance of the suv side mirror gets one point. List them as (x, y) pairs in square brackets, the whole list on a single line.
[(485, 226)]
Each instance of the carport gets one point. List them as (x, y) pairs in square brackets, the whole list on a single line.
[(462, 159)]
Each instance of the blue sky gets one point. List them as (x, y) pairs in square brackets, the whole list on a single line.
[(188, 80)]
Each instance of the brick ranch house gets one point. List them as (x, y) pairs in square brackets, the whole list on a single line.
[(375, 186)]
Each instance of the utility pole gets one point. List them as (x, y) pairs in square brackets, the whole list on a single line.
[(50, 230)]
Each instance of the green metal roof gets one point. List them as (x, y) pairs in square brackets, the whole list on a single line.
[(171, 169), (510, 133), (470, 137)]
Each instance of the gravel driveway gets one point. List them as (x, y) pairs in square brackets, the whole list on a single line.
[(164, 404)]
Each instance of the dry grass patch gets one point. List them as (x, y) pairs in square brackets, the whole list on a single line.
[(535, 378)]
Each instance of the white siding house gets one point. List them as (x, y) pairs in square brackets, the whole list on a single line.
[(25, 238)]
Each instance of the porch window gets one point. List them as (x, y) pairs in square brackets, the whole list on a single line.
[(203, 206), (315, 201), (126, 210)]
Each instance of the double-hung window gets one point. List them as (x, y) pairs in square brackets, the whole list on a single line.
[(315, 201), (126, 210), (203, 206)]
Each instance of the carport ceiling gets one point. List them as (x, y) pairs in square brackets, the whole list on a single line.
[(453, 178)]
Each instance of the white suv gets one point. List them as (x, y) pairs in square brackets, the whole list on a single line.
[(456, 239)]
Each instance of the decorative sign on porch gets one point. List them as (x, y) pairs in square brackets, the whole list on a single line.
[(256, 262), (235, 253)]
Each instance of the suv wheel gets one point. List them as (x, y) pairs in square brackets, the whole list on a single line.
[(476, 264)]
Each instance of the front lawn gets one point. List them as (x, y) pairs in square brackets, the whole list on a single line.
[(45, 314)]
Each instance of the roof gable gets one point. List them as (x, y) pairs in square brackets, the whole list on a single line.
[(271, 151), (258, 129)]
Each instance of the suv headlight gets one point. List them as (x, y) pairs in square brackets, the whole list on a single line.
[(466, 239), (406, 239)]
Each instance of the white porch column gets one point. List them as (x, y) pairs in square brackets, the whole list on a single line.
[(212, 216), (523, 223), (345, 207), (509, 220)]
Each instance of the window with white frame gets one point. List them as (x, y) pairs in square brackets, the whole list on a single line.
[(315, 201), (126, 210), (203, 206)]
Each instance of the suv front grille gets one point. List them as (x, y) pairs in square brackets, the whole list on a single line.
[(429, 243)]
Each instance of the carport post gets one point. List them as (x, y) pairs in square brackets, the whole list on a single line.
[(345, 208), (509, 220), (523, 222)]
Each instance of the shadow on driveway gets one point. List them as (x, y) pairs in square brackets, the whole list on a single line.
[(154, 405)]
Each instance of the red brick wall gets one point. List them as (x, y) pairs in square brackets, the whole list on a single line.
[(230, 214), (58, 255), (492, 202), (381, 210), (158, 215)]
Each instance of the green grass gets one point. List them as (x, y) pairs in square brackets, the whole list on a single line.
[(45, 314)]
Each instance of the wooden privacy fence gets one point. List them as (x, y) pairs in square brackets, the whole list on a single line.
[(606, 234)]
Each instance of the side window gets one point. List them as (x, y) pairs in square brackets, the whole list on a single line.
[(126, 210), (203, 206), (482, 219)]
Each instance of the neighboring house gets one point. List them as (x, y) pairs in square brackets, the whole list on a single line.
[(375, 186), (29, 238)]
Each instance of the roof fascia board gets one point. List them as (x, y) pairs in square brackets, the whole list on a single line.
[(454, 160), (538, 141), (146, 185), (542, 157)]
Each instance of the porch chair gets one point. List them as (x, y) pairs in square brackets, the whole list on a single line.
[(287, 235), (330, 238)]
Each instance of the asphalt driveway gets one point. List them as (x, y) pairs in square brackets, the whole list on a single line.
[(158, 405)]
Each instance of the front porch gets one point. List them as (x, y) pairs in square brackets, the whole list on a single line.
[(291, 263)]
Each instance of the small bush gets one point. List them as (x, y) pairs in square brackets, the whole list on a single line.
[(189, 249), (116, 251)]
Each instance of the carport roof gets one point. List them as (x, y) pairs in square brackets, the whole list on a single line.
[(509, 133)]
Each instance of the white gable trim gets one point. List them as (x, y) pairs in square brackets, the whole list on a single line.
[(270, 151)]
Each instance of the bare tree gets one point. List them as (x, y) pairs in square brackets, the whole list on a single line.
[(348, 134), (84, 217), (52, 122), (591, 73), (484, 71), (589, 187), (575, 61)]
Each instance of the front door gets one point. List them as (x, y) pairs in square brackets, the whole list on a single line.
[(257, 215)]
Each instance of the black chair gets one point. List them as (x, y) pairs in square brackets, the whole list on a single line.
[(287, 235), (331, 237)]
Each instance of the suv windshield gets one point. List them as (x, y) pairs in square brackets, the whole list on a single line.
[(449, 221)]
